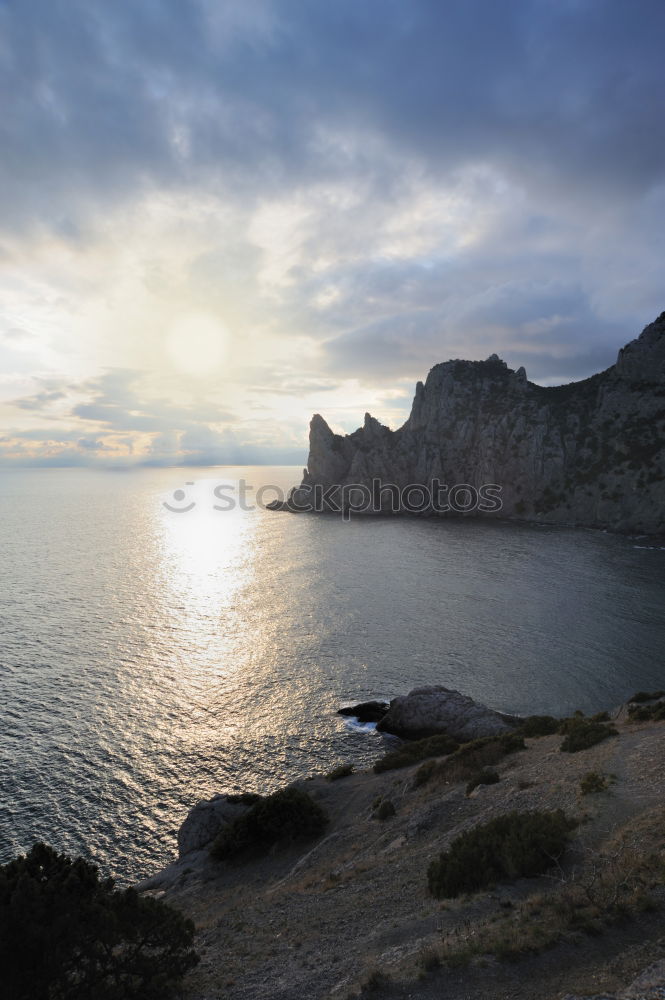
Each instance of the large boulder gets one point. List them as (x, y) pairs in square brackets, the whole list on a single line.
[(366, 711), (204, 822), (428, 711)]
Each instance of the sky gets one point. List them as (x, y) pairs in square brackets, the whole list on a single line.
[(219, 217)]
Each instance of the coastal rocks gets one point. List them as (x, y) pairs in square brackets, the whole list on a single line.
[(590, 453), (428, 711), (204, 822), (366, 711)]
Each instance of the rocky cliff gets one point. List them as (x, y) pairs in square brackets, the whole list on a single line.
[(590, 453)]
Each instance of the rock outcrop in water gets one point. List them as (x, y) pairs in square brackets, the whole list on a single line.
[(428, 711), (590, 453)]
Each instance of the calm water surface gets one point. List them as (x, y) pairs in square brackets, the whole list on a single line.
[(150, 658)]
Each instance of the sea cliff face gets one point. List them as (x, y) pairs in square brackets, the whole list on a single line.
[(590, 453)]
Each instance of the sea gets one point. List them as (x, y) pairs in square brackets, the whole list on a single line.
[(164, 636)]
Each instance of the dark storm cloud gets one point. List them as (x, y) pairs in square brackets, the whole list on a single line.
[(557, 107), (548, 327), (108, 99)]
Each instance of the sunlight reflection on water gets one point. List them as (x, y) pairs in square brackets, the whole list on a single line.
[(151, 658)]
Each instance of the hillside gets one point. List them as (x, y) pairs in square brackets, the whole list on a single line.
[(350, 914)]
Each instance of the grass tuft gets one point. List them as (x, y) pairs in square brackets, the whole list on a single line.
[(341, 771), (484, 777)]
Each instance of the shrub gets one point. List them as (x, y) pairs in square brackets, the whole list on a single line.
[(410, 753), (430, 959), (508, 847), (341, 771), (565, 725), (593, 782), (376, 980), (424, 773), (584, 734), (641, 696), (484, 777), (64, 933), (289, 814), (539, 725), (608, 884), (647, 713), (384, 810), (477, 754)]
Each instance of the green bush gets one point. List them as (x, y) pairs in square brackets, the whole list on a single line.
[(384, 810), (67, 935), (424, 773), (592, 782), (410, 753), (565, 725), (508, 847), (341, 771), (539, 725), (641, 696), (500, 746), (584, 734), (647, 713), (483, 777), (289, 814), (476, 754)]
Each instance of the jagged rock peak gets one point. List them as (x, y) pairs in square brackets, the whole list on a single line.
[(373, 427), (318, 425), (591, 452), (644, 357)]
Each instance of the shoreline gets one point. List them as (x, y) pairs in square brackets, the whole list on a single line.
[(323, 919), (283, 506)]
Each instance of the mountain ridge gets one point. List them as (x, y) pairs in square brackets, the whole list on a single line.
[(589, 453)]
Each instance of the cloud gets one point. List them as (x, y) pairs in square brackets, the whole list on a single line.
[(128, 425), (110, 99), (91, 444), (40, 399), (116, 401), (355, 191)]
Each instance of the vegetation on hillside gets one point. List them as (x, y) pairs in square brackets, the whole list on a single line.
[(287, 815), (409, 753), (584, 733), (602, 887), (507, 847), (66, 934)]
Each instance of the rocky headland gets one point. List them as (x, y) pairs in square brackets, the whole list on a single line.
[(349, 912), (589, 453)]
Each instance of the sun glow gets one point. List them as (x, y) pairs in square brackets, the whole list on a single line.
[(197, 344)]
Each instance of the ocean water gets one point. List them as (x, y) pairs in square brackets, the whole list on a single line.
[(151, 657)]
